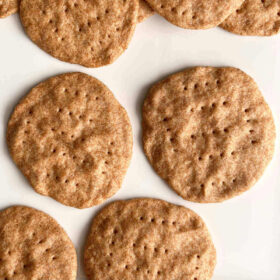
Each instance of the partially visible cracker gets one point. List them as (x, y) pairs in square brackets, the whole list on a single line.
[(208, 132), (34, 246), (8, 7), (91, 33), (71, 139), (255, 18), (194, 14), (145, 10), (148, 239)]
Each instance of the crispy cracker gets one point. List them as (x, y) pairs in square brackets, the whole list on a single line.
[(34, 246), (255, 18), (145, 11), (208, 132), (71, 139), (92, 33), (148, 239), (8, 7), (195, 14)]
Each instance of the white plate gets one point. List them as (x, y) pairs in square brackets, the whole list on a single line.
[(246, 229)]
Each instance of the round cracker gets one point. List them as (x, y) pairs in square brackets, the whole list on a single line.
[(71, 139), (255, 18), (195, 14), (92, 33), (208, 132), (8, 7), (148, 239), (145, 11), (34, 246)]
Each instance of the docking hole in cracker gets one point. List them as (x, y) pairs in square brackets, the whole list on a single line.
[(71, 139), (255, 18), (91, 33), (208, 132), (34, 246), (193, 14), (148, 239)]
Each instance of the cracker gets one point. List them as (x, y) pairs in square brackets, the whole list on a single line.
[(195, 14), (92, 33), (208, 132), (148, 239), (8, 7), (255, 18), (34, 246), (145, 11), (71, 139)]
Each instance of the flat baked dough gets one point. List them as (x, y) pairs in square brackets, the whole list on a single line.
[(208, 132), (8, 7), (91, 33), (255, 18), (148, 239), (34, 246), (195, 14), (71, 139)]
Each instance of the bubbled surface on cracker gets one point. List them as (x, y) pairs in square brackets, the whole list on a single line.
[(208, 132), (8, 7), (145, 10), (255, 18), (195, 14), (92, 33), (148, 239), (71, 139), (34, 246)]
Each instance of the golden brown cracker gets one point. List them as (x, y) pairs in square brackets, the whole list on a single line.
[(71, 139), (148, 239), (255, 18), (208, 132), (145, 10), (195, 14), (92, 33), (8, 7), (34, 246)]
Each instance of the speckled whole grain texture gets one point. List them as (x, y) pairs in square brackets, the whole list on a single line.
[(8, 7), (92, 33), (148, 239), (195, 14), (208, 132), (34, 246), (255, 18), (71, 139), (145, 10)]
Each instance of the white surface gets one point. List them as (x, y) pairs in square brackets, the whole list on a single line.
[(246, 229)]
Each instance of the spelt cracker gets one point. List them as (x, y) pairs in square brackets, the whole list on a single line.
[(255, 18), (208, 132), (92, 33), (34, 246), (145, 10), (8, 7), (195, 14), (71, 139), (148, 239)]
